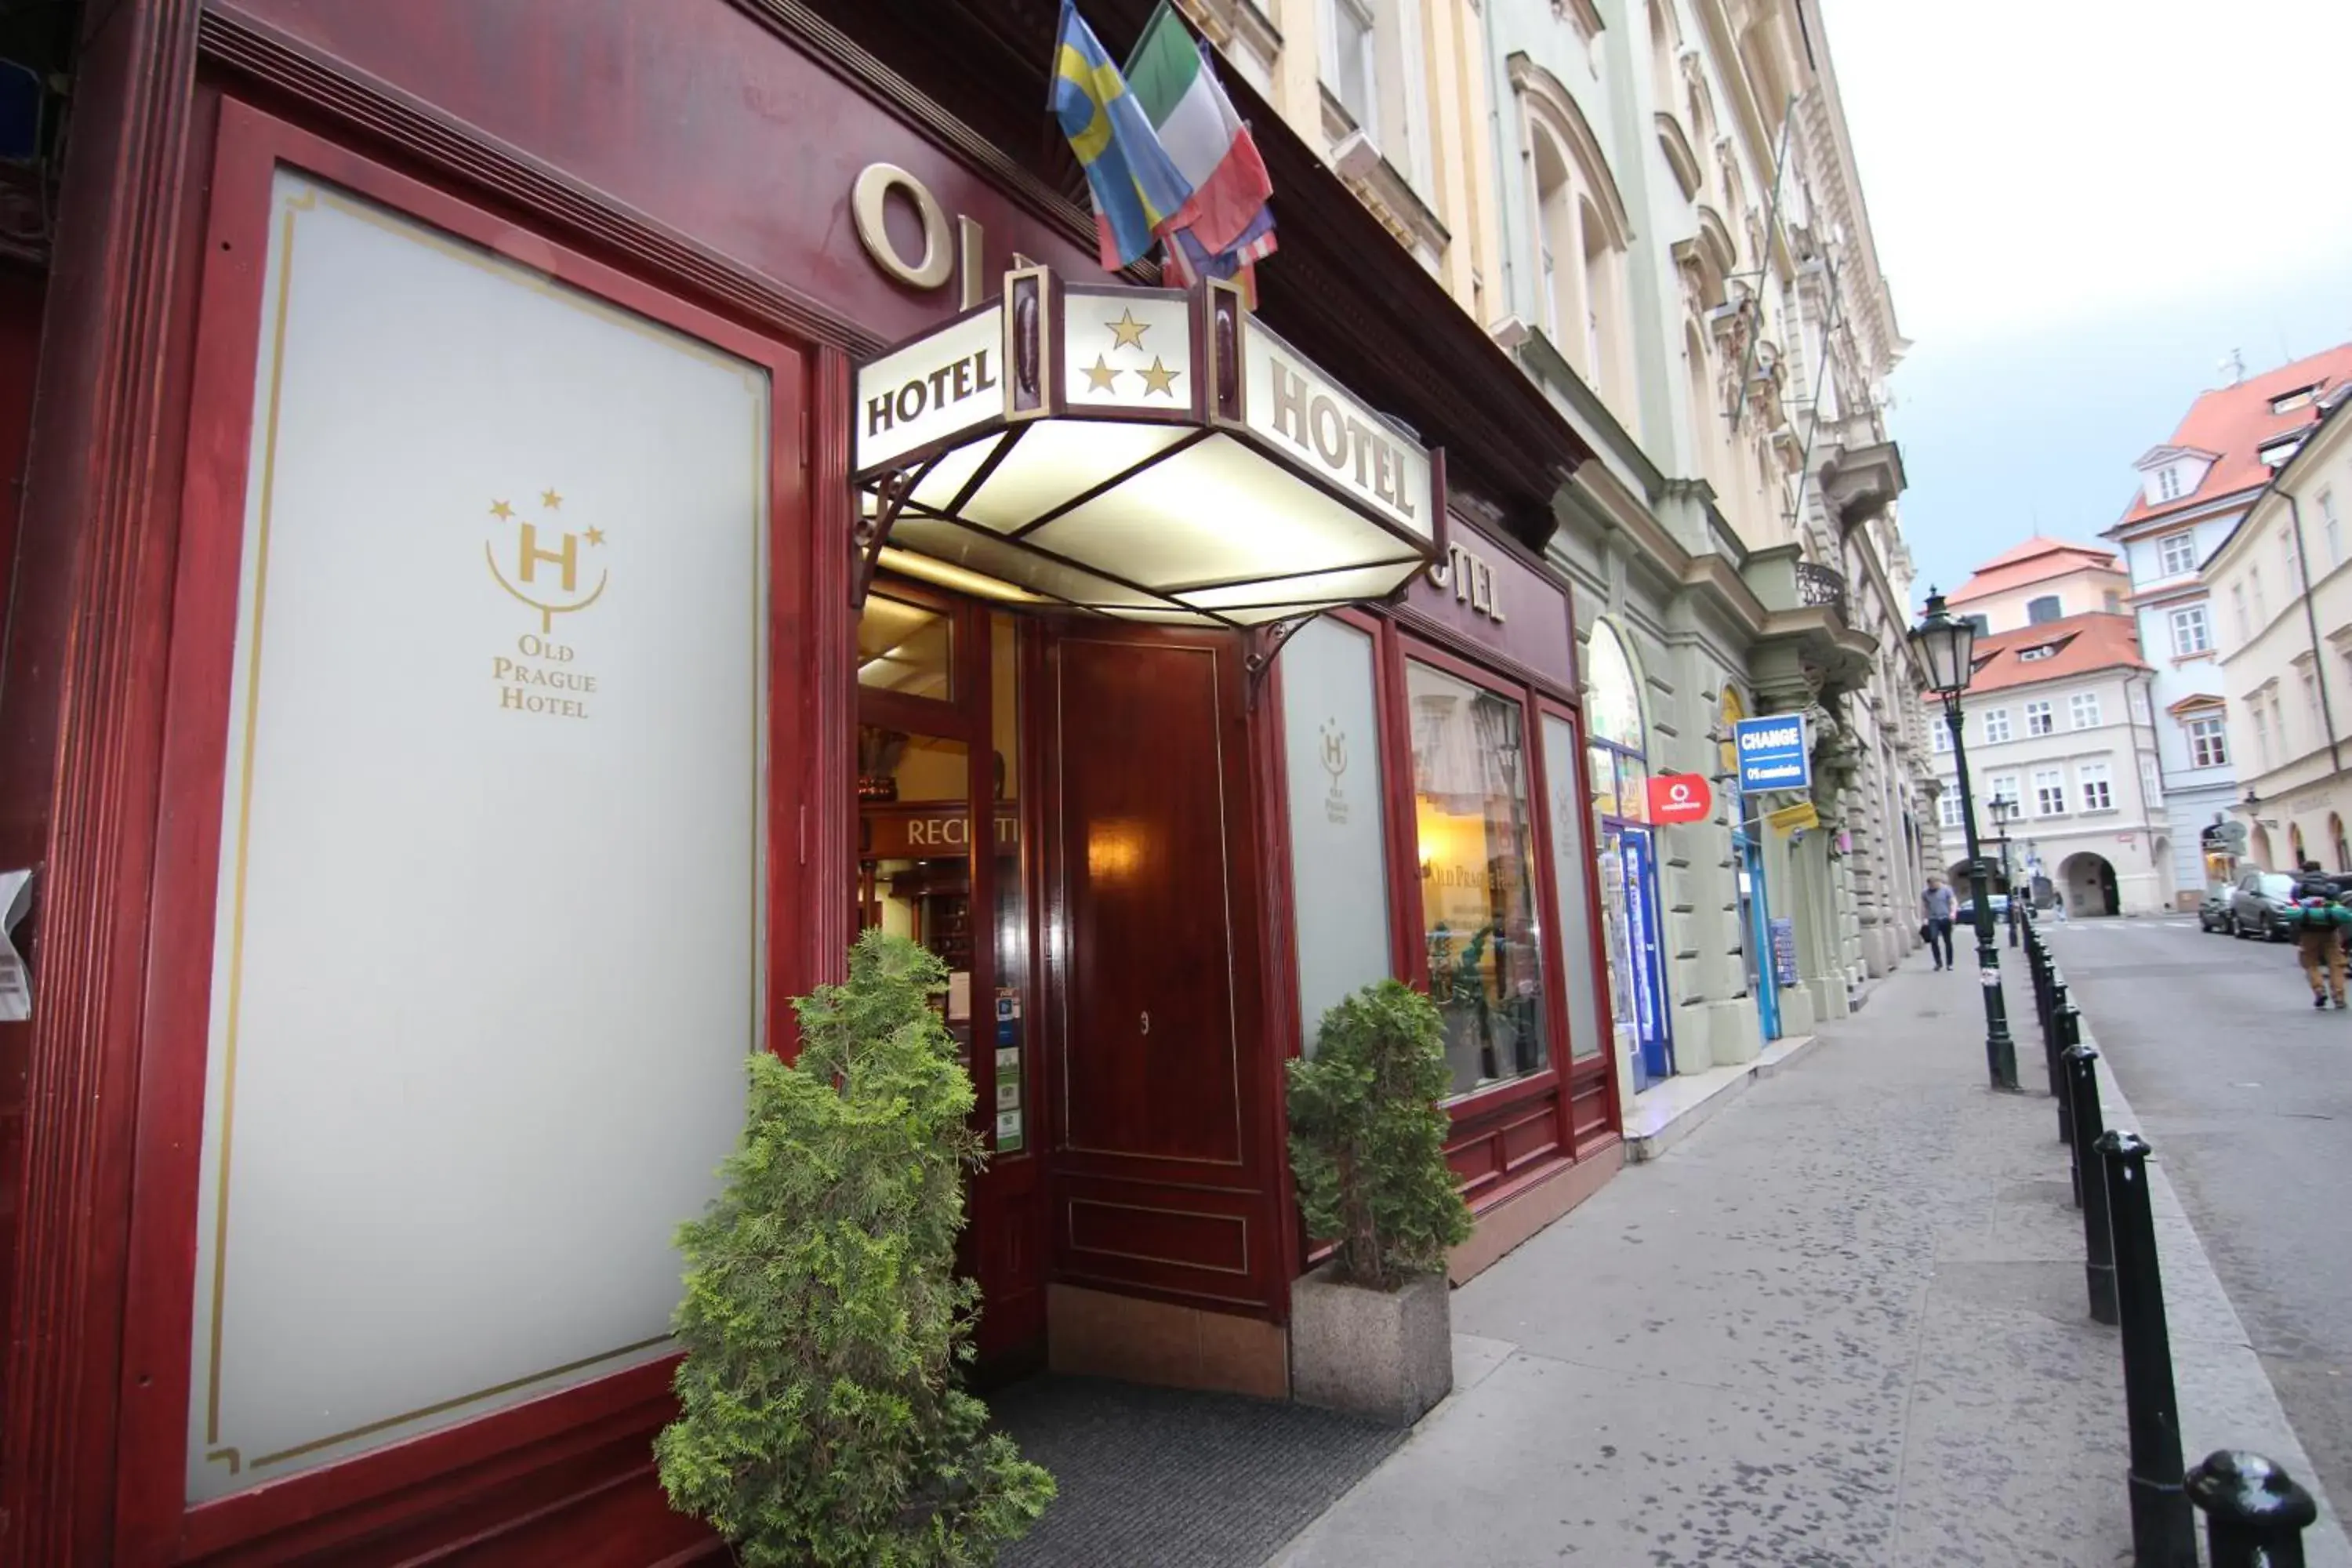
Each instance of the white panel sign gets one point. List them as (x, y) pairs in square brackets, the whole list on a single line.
[(488, 941), (1338, 855), (931, 389), (1290, 403), (1129, 353)]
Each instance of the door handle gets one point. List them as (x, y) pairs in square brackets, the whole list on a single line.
[(1147, 1023)]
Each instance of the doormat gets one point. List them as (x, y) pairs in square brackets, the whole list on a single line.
[(1169, 1478)]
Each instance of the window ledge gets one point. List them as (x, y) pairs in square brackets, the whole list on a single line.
[(2100, 811), (1383, 188), (2202, 655)]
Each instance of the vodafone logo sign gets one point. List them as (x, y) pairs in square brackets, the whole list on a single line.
[(1680, 797)]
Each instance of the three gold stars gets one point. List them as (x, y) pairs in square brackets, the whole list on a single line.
[(1101, 375), (1159, 378), (1127, 332)]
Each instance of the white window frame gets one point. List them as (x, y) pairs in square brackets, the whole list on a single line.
[(2095, 783), (2038, 718), (2208, 742), (2049, 792), (2151, 782), (2262, 730), (2167, 483), (2334, 526), (1940, 734), (1947, 809), (2003, 786), (2262, 601), (2293, 563), (2135, 697), (1996, 726), (2177, 554), (1367, 113), (2192, 631), (2083, 710), (2238, 604)]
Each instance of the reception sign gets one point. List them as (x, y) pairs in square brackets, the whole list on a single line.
[(486, 962)]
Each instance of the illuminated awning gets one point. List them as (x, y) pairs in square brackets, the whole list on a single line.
[(1151, 453)]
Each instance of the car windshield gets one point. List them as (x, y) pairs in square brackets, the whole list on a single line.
[(2278, 885)]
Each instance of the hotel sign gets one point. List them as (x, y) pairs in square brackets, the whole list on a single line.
[(1333, 433), (936, 386)]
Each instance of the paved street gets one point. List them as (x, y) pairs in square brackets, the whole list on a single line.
[(1841, 1323), (2246, 1093)]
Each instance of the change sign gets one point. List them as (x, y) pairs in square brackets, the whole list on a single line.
[(1774, 753)]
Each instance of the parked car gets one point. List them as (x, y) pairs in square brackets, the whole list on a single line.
[(2213, 913), (1965, 913), (2259, 901)]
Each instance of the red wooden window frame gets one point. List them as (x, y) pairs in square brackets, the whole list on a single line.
[(313, 1510), (1562, 1082)]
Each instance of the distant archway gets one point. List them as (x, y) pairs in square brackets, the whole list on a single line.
[(2259, 847), (2294, 845), (2087, 882)]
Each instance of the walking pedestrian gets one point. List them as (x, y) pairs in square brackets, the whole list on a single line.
[(1935, 903), (2320, 915)]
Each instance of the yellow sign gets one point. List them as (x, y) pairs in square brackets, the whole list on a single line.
[(1789, 819)]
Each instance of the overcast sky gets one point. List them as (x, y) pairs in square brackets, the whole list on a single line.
[(2082, 207)]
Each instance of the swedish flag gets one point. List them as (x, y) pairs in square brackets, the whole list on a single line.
[(1136, 185)]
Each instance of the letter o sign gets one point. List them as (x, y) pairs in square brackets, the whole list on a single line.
[(868, 200)]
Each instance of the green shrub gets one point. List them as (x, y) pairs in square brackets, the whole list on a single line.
[(820, 1417), (1368, 1138)]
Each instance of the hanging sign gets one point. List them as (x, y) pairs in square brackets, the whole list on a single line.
[(1680, 797), (1774, 753), (1793, 818)]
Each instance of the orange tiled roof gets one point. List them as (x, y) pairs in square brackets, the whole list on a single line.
[(2234, 421), (2036, 560), (2084, 642)]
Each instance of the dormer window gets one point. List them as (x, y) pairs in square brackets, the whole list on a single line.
[(2167, 484), (2274, 454), (2029, 655), (2289, 401)]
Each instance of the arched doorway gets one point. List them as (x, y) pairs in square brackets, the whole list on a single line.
[(2088, 884), (1627, 858), (2258, 845), (2296, 855)]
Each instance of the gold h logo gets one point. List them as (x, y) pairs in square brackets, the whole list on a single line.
[(564, 596), (568, 558)]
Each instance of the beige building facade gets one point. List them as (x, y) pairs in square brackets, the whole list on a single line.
[(2285, 638)]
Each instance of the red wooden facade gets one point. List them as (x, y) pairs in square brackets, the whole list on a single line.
[(689, 160)]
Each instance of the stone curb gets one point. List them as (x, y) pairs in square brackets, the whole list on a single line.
[(2225, 1396), (1646, 1146)]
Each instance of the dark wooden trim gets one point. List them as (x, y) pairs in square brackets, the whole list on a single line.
[(413, 131), (99, 538)]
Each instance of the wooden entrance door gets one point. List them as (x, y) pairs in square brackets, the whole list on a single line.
[(1160, 1074)]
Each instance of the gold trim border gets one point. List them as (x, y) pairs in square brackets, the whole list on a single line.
[(758, 381)]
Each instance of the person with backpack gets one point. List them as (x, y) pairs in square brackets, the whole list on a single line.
[(2320, 917)]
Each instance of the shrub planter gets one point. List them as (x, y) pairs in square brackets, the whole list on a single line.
[(1384, 1354)]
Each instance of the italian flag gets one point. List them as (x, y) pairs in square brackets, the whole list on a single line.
[(1170, 76)]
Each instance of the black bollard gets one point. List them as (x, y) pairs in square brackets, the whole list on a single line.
[(2059, 1039), (2091, 1181), (2065, 1038), (2164, 1533), (2255, 1513)]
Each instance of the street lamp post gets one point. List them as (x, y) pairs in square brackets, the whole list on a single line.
[(1947, 647), (2004, 812)]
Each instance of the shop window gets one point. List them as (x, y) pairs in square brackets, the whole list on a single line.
[(1339, 862), (1477, 849), (1571, 865)]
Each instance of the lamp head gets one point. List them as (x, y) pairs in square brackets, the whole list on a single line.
[(1947, 647)]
